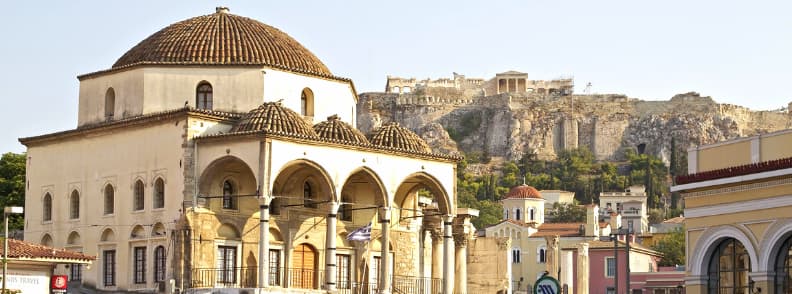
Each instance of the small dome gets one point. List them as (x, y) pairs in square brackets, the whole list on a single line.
[(273, 117), (523, 192), (335, 129), (395, 136), (222, 38)]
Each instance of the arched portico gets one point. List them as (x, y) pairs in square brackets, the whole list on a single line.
[(228, 184), (709, 240)]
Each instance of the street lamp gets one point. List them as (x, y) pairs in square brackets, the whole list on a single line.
[(8, 210), (614, 236)]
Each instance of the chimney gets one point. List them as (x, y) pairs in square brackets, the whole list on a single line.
[(615, 221)]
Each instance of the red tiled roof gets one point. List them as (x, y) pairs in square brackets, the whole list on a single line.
[(222, 38), (736, 171), (393, 135), (24, 250), (523, 192)]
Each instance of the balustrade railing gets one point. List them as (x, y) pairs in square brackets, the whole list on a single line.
[(236, 277)]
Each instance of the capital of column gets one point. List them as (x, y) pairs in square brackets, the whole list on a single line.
[(461, 240), (334, 206), (385, 215), (437, 234)]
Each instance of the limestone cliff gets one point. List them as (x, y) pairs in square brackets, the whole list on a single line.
[(509, 125)]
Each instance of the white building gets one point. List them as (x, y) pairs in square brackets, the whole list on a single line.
[(631, 204)]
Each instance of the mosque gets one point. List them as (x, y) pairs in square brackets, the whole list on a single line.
[(220, 153)]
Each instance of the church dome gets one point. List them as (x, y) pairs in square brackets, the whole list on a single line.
[(394, 136), (223, 39), (335, 129), (523, 192), (273, 117)]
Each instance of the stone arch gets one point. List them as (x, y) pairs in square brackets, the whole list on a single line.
[(775, 236), (158, 230), (434, 186), (46, 240), (708, 243), (110, 99), (228, 232), (137, 232), (275, 235), (290, 180), (73, 239), (307, 102), (107, 235), (226, 168), (362, 187)]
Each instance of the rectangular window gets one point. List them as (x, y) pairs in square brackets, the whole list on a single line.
[(343, 264), (108, 267), (274, 267), (611, 266), (159, 264), (226, 264), (140, 265), (375, 271), (610, 290), (76, 272)]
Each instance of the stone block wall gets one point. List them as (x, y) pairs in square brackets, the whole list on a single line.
[(489, 270)]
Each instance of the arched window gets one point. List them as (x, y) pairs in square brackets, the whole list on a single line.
[(517, 214), (516, 255), (159, 193), (531, 212), (541, 255), (505, 213), (139, 197), (203, 96), (344, 214), (308, 195), (74, 205), (159, 264), (307, 102), (729, 267), (46, 240), (109, 199), (229, 201), (47, 208), (783, 268), (109, 103)]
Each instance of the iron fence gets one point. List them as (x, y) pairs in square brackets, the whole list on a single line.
[(236, 277)]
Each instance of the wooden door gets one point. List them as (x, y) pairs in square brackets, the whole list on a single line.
[(304, 264)]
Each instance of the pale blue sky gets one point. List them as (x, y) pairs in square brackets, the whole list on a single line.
[(738, 52)]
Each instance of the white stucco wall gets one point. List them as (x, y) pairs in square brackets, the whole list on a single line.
[(86, 164), (330, 96), (128, 87)]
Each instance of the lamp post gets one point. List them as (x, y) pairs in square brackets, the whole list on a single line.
[(614, 236), (8, 210)]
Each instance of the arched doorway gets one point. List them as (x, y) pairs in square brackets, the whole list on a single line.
[(783, 268), (303, 261), (728, 268)]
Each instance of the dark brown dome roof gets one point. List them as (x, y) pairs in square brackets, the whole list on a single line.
[(335, 129), (395, 136), (273, 117), (223, 39), (523, 192)]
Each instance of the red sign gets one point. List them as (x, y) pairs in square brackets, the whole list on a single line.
[(59, 282)]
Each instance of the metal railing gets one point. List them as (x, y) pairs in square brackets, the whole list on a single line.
[(305, 278), (417, 285), (237, 277)]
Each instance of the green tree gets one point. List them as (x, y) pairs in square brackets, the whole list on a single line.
[(567, 213), (672, 247), (12, 185)]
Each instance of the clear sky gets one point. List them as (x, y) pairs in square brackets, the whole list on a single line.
[(738, 52)]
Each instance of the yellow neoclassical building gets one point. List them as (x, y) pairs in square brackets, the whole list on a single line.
[(221, 153), (738, 215)]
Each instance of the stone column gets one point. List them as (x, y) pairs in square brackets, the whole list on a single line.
[(385, 270), (582, 268), (263, 266), (330, 248), (552, 256), (437, 253), (448, 254), (461, 242)]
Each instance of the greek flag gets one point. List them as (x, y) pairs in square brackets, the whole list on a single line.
[(360, 234)]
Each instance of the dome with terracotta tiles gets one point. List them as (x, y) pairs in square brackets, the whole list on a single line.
[(395, 136), (273, 117), (523, 192), (336, 129), (222, 38)]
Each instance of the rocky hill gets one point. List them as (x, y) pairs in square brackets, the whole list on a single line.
[(508, 125)]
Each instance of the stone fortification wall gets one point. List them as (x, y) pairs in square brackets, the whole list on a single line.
[(510, 125)]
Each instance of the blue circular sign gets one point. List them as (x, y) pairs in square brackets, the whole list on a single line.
[(547, 285)]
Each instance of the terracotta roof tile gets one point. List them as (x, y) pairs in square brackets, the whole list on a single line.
[(24, 250), (335, 129), (523, 192), (274, 117), (393, 135), (222, 38), (559, 229)]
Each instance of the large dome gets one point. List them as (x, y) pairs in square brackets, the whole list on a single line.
[(523, 192), (223, 39)]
